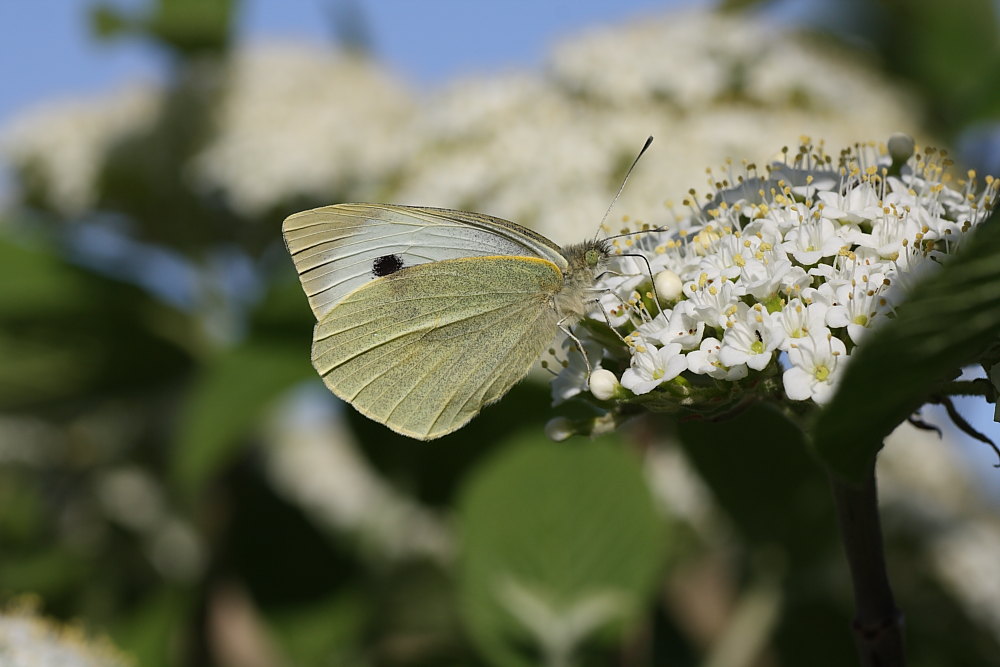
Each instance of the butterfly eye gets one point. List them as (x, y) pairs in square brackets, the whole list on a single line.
[(592, 257), (386, 264)]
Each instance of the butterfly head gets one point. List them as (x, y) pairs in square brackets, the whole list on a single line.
[(585, 261), (594, 256)]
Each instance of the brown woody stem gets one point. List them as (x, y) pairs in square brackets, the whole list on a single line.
[(878, 623)]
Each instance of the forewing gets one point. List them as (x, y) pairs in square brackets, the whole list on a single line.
[(335, 248), (424, 349)]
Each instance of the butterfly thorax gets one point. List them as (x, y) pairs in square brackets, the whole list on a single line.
[(585, 262)]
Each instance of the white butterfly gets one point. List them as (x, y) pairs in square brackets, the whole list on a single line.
[(426, 315)]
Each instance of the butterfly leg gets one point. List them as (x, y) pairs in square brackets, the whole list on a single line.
[(607, 318), (566, 330), (649, 272)]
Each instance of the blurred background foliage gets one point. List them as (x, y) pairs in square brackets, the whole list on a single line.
[(174, 476)]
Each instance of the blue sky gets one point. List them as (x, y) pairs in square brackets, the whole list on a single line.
[(47, 53)]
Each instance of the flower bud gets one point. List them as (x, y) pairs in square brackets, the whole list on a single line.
[(668, 286), (901, 147), (559, 428), (603, 384)]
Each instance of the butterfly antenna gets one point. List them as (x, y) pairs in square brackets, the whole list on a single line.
[(649, 140)]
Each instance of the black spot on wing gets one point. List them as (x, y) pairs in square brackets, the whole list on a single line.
[(386, 264)]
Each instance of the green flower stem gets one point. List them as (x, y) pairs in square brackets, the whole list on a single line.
[(878, 623)]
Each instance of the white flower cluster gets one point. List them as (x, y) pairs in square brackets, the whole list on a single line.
[(303, 124), (547, 150), (303, 121), (28, 640), (61, 147), (780, 272)]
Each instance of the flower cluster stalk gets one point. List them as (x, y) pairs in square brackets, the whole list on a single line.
[(878, 623)]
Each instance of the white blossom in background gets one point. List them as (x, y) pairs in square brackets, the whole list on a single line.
[(28, 640), (545, 148), (517, 147), (303, 121), (134, 499), (64, 145), (766, 303), (293, 121), (698, 59), (312, 459), (927, 491), (548, 150)]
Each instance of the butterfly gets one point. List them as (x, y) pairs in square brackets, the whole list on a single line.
[(426, 315)]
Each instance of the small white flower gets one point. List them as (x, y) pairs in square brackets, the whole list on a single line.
[(912, 265), (858, 306), (558, 429), (751, 338), (794, 281), (705, 361), (652, 366), (572, 379), (681, 327), (812, 240), (801, 321), (657, 329), (764, 275), (727, 255), (817, 364), (888, 232), (782, 219), (603, 384), (711, 301), (860, 204), (612, 306)]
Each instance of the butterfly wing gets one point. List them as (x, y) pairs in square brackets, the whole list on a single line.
[(423, 349), (336, 248)]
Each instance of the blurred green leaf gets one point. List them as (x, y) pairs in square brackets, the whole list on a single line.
[(432, 471), (150, 631), (948, 52), (559, 542), (949, 319), (107, 22), (68, 333), (49, 571), (187, 26), (325, 633), (284, 310), (762, 474), (192, 26), (298, 563), (951, 49), (227, 402), (22, 512)]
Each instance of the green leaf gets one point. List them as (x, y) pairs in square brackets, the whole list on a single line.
[(46, 571), (226, 404), (950, 319), (150, 630), (761, 473), (951, 50), (559, 542), (193, 26), (69, 334), (327, 632), (188, 26)]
